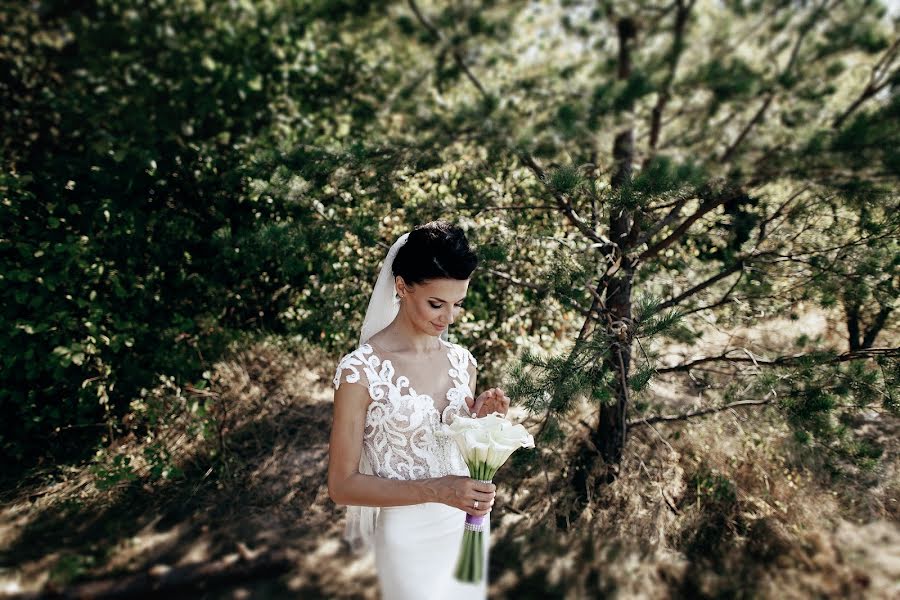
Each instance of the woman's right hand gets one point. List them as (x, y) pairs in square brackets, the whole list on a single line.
[(462, 492)]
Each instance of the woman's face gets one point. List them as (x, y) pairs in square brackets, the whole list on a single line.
[(435, 304)]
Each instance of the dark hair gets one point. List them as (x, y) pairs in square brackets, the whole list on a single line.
[(433, 251)]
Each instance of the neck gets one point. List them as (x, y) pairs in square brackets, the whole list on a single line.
[(402, 336)]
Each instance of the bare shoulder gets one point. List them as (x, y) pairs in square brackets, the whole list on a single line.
[(353, 397)]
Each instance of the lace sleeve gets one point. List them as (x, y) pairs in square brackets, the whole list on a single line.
[(350, 369), (471, 368), (471, 359), (464, 365)]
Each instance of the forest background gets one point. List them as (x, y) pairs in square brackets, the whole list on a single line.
[(687, 219)]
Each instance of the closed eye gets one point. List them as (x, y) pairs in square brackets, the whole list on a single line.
[(440, 305)]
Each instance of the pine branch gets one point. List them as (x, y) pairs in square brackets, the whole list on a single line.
[(457, 55), (526, 158), (532, 286), (697, 413), (517, 207), (744, 261), (826, 174), (864, 241), (877, 82), (730, 151), (662, 205), (678, 45), (564, 205), (736, 267), (785, 360), (725, 297), (757, 118), (705, 207), (764, 225), (679, 204), (665, 221), (519, 282)]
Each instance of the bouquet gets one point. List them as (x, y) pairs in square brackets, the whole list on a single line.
[(485, 444)]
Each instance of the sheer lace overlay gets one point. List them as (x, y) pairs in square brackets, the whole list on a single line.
[(406, 434)]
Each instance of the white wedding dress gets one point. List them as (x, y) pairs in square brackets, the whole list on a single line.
[(416, 546)]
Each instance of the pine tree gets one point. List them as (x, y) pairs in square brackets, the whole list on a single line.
[(734, 146)]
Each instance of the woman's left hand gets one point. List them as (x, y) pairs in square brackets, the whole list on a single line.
[(492, 400)]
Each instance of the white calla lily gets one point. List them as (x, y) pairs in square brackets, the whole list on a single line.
[(493, 421), (478, 443), (489, 422), (460, 424), (485, 444), (504, 442)]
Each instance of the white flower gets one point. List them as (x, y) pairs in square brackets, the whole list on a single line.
[(489, 422), (493, 422), (490, 439), (461, 423), (478, 445), (503, 442)]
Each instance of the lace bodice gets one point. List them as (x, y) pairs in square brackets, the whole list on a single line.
[(406, 434)]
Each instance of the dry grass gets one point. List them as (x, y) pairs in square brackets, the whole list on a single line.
[(726, 506), (723, 509)]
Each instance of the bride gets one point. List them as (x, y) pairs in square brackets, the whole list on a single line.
[(392, 461)]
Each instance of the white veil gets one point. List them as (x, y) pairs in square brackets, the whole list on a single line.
[(384, 304)]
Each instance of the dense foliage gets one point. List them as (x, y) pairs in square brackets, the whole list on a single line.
[(137, 239)]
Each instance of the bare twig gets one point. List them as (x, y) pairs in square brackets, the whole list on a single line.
[(877, 81), (512, 279), (696, 413), (784, 360), (659, 486), (454, 50)]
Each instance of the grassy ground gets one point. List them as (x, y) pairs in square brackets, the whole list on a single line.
[(727, 506)]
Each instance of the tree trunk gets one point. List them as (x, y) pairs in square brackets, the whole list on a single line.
[(610, 435), (611, 428), (853, 326)]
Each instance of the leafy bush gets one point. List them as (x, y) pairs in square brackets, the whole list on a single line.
[(135, 241)]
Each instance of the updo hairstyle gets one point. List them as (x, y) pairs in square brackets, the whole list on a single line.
[(434, 250)]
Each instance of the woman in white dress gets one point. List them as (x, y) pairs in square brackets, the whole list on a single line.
[(392, 461)]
